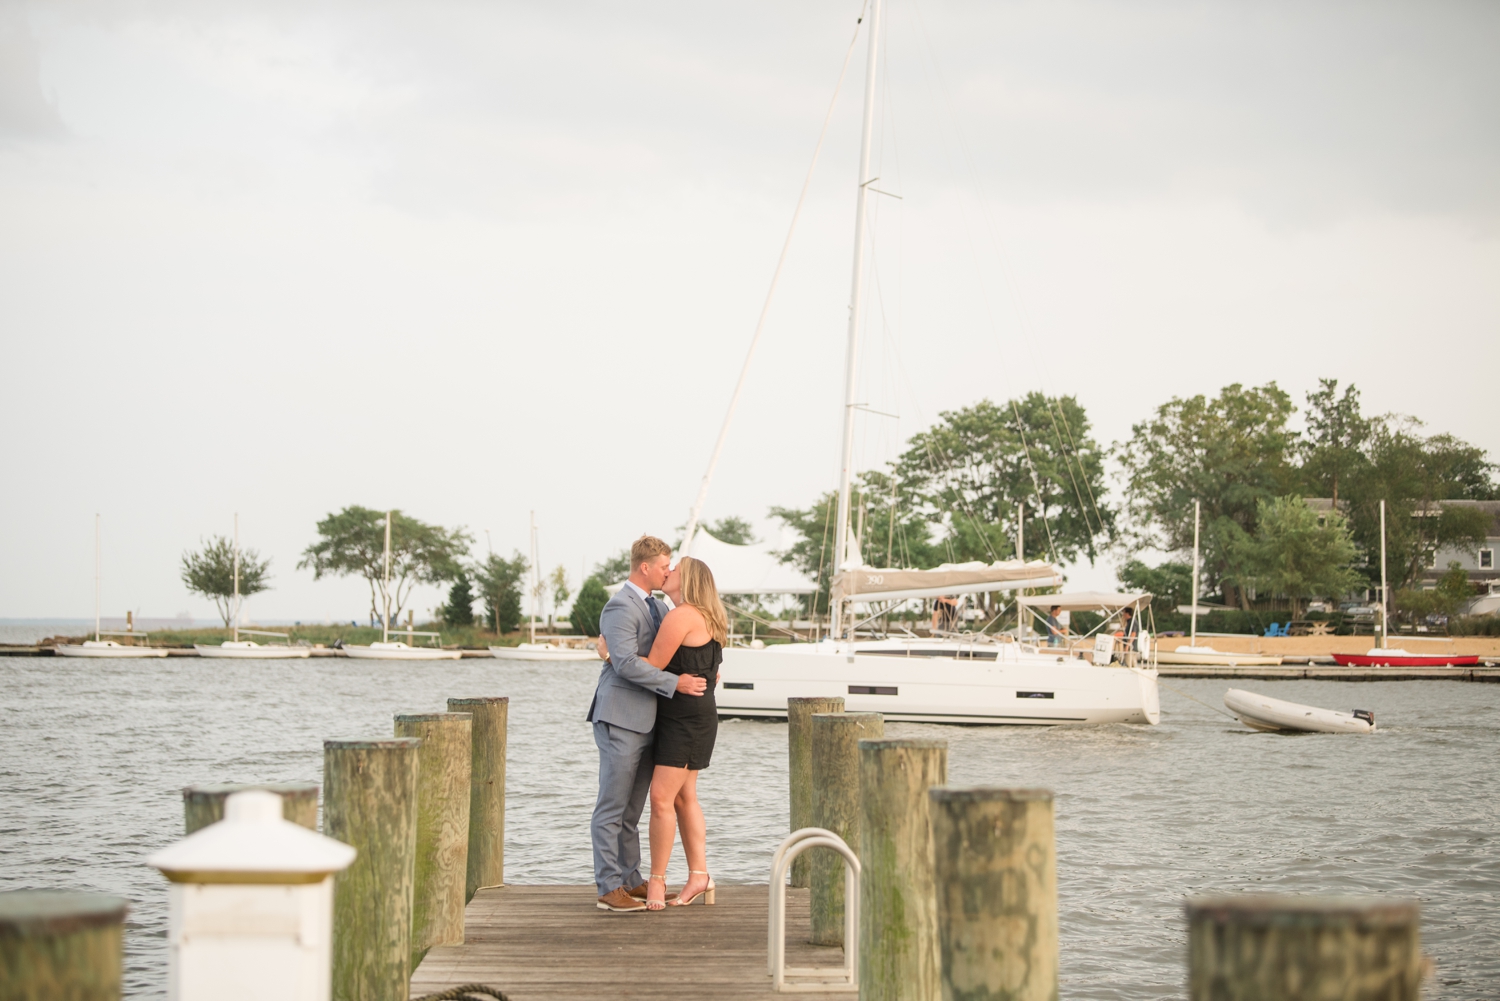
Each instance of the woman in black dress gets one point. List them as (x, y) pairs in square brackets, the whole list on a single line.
[(690, 641)]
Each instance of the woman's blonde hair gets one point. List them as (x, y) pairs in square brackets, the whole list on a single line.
[(699, 590)]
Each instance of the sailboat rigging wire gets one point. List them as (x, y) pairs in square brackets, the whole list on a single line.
[(1036, 484), (765, 309), (1062, 450), (1098, 515)]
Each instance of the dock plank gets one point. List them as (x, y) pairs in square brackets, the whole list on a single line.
[(551, 942)]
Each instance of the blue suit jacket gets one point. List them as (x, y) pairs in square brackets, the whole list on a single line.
[(628, 685)]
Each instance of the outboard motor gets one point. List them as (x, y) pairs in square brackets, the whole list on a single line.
[(1366, 715)]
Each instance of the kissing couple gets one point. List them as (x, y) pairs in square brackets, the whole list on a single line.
[(655, 721)]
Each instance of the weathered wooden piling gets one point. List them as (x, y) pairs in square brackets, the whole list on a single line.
[(486, 865), (836, 806), (898, 939), (204, 804), (442, 860), (995, 867), (370, 802), (61, 944), (799, 713), (1264, 947)]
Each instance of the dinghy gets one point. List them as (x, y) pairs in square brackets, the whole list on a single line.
[(1260, 712), (1395, 657)]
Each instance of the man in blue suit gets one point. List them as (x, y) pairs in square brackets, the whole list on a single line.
[(624, 715)]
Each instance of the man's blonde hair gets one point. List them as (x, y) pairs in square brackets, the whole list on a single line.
[(699, 590), (645, 549)]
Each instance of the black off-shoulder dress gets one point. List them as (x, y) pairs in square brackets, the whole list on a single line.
[(686, 725)]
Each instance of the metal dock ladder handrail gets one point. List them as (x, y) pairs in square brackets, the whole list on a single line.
[(824, 978)]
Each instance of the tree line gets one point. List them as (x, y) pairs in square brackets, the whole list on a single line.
[(966, 487)]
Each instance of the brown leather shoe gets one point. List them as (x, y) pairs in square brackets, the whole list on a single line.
[(639, 892), (619, 901)]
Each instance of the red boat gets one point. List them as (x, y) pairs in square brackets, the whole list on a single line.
[(1403, 658)]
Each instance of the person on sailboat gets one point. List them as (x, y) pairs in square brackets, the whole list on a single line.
[(1055, 629), (944, 613), (624, 717), (1128, 633)]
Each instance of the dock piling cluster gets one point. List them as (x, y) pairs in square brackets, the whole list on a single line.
[(799, 714)]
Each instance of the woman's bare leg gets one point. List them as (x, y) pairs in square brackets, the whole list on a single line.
[(694, 834), (666, 783)]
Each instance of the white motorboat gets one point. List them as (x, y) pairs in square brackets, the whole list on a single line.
[(98, 647), (385, 649), (249, 650), (400, 651), (1261, 712), (107, 648), (543, 651)]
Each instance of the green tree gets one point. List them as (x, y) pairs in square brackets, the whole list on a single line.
[(459, 611), (1448, 598), (351, 543), (894, 534), (586, 607), (971, 470), (210, 572), (614, 569), (1299, 553), (1413, 474), (1230, 452), (558, 584), (1333, 449), (501, 582), (1170, 584)]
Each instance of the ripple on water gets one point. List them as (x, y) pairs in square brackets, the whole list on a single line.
[(95, 755)]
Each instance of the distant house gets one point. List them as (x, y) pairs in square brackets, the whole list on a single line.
[(1481, 566)]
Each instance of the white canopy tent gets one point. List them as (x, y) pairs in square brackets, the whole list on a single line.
[(752, 569), (869, 584)]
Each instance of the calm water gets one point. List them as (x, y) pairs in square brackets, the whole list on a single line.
[(93, 754)]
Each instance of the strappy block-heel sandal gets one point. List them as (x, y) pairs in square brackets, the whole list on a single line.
[(707, 893), (656, 905)]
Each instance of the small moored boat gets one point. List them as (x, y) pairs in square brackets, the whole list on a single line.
[(543, 651), (1395, 657), (1261, 712)]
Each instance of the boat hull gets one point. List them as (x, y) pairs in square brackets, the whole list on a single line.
[(1260, 712), (404, 653), (1378, 660), (527, 651), (1217, 659), (1046, 691), (253, 651), (111, 650)]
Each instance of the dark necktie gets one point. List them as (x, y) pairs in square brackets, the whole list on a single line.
[(655, 615)]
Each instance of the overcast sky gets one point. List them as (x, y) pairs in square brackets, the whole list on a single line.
[(472, 260)]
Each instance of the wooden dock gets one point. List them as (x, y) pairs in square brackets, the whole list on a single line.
[(536, 942)]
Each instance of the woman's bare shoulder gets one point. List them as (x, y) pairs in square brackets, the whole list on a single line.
[(688, 614)]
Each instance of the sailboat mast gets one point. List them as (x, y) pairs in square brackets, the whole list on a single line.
[(1385, 606), (851, 359), (536, 579), (96, 578), (235, 629), (1197, 507), (385, 612)]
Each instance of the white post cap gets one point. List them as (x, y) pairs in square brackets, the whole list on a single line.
[(253, 844)]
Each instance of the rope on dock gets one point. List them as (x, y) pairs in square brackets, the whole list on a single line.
[(465, 991)]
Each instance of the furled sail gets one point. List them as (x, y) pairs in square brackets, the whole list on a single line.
[(866, 584)]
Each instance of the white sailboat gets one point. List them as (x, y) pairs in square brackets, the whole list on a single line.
[(98, 647), (1021, 684), (385, 649), (555, 648), (236, 648), (1207, 655)]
